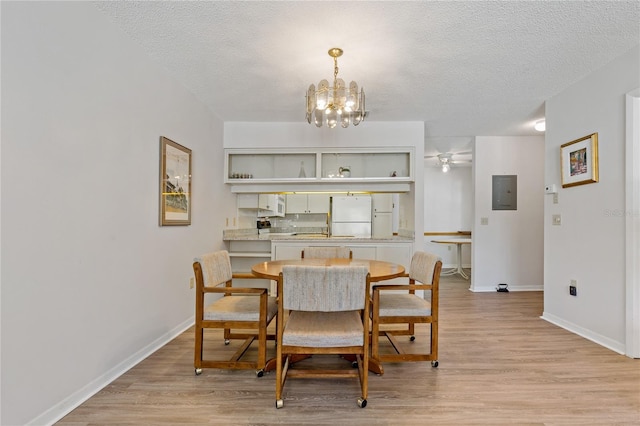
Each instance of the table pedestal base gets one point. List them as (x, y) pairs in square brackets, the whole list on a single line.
[(457, 270)]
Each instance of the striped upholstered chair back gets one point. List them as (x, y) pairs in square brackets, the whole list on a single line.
[(326, 253), (324, 288)]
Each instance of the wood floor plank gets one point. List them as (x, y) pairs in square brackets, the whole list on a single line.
[(500, 364)]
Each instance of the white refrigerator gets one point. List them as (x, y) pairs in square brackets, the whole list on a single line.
[(351, 216)]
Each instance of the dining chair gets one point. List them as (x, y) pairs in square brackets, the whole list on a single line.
[(324, 305), (243, 313), (398, 304), (321, 252)]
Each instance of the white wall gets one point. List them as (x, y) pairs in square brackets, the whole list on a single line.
[(510, 248), (589, 246), (367, 134), (90, 283), (448, 207)]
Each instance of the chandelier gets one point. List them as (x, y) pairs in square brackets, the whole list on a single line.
[(335, 104)]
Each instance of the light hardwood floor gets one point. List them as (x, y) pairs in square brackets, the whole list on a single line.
[(500, 364)]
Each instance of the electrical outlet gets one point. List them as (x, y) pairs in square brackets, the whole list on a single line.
[(192, 282), (555, 198)]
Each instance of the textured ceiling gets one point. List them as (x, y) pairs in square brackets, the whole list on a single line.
[(463, 68)]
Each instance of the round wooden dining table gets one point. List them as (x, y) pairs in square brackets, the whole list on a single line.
[(379, 270)]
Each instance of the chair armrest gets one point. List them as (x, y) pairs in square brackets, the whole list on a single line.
[(243, 276), (383, 287), (235, 290)]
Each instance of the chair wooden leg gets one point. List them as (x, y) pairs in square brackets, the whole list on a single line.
[(375, 339), (434, 343), (262, 348), (197, 359)]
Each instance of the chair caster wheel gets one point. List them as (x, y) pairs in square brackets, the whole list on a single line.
[(354, 364), (227, 341), (412, 338), (260, 373), (198, 371), (434, 364), (279, 403), (362, 402)]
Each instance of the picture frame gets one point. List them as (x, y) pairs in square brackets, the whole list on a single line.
[(175, 183), (579, 161)]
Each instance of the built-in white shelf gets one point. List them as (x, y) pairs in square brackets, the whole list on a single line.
[(314, 166)]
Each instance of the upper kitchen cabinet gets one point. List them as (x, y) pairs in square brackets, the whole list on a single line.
[(391, 164), (266, 205), (307, 203), (319, 169), (258, 165), (381, 203)]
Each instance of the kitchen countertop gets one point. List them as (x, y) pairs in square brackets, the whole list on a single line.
[(252, 235)]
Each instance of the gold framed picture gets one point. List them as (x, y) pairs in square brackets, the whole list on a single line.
[(579, 161), (175, 183)]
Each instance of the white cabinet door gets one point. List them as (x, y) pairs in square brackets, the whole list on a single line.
[(284, 251), (307, 203), (318, 203), (247, 201), (363, 252), (382, 202), (266, 201), (382, 225), (296, 203)]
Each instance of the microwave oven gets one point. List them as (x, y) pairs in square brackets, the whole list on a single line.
[(271, 205)]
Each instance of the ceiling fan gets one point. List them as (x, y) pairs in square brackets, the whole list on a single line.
[(446, 160)]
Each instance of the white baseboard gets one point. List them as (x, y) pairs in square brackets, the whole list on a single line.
[(618, 347), (486, 289), (64, 407)]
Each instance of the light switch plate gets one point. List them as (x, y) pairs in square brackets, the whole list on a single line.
[(556, 219), (484, 221)]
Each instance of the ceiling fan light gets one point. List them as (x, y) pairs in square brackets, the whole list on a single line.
[(445, 167)]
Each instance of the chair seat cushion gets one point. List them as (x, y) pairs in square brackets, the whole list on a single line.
[(392, 305), (323, 329), (239, 308)]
